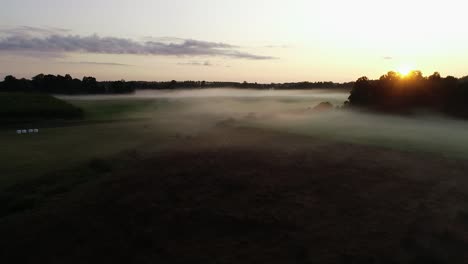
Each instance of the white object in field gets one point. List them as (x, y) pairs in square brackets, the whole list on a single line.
[(24, 131), (30, 130), (36, 130), (18, 131)]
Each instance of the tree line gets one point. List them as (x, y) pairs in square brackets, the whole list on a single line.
[(58, 84), (239, 85), (397, 93)]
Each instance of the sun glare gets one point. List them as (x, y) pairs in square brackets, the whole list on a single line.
[(404, 70)]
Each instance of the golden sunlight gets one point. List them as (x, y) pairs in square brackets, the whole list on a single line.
[(405, 70)]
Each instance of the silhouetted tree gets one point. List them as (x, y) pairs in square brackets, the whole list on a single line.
[(361, 94), (10, 83), (393, 92)]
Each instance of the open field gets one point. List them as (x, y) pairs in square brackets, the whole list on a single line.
[(226, 179), (119, 123)]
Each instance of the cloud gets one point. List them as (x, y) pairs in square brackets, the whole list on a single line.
[(97, 63), (162, 39), (30, 39), (196, 63), (277, 46), (28, 31)]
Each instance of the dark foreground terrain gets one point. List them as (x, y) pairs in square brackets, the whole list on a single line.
[(238, 195), (22, 106)]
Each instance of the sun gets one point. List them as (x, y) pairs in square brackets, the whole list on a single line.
[(405, 70)]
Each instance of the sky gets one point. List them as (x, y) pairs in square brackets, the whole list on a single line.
[(239, 40)]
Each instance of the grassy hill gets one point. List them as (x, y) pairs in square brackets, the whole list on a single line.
[(35, 106)]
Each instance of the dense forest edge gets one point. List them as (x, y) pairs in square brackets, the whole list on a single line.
[(58, 84), (405, 94)]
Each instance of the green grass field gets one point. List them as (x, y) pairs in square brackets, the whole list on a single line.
[(67, 152), (108, 128), (63, 144)]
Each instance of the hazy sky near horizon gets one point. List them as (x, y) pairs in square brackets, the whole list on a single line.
[(253, 40)]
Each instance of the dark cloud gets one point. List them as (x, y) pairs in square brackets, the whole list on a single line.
[(50, 41)]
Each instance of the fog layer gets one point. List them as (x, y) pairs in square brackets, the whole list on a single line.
[(193, 111)]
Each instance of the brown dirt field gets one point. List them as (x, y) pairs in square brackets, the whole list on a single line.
[(239, 195)]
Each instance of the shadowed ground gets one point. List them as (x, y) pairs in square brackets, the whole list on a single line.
[(239, 195)]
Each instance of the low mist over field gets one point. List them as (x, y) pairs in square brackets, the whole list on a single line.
[(336, 95), (293, 111)]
